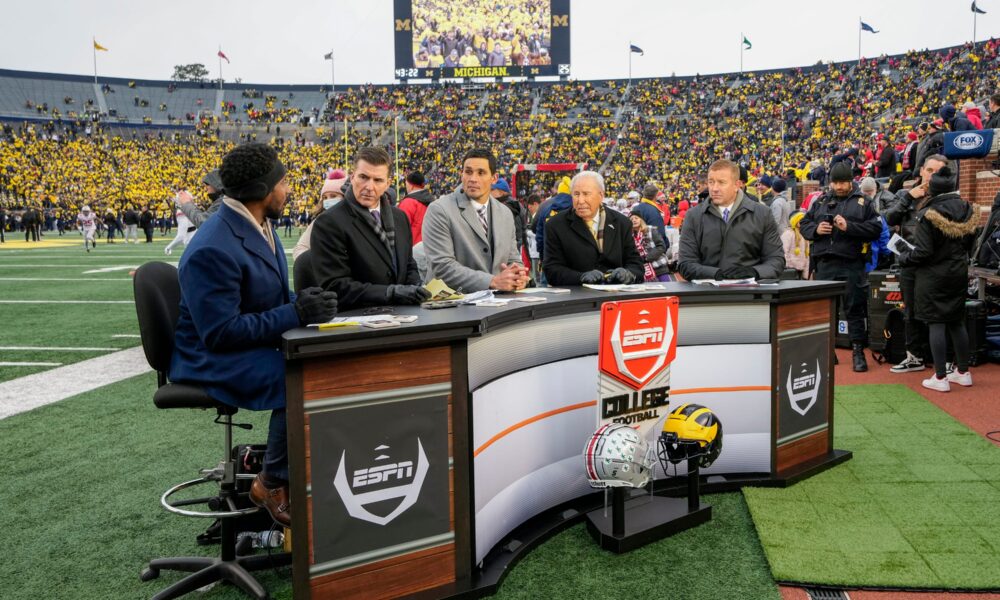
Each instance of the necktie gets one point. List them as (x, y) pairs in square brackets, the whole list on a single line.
[(590, 227), (725, 215), (377, 217), (483, 219)]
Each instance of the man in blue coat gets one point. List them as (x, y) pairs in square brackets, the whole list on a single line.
[(235, 304)]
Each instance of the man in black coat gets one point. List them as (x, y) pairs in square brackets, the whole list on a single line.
[(994, 121), (29, 220), (841, 226), (590, 244), (147, 222), (731, 236), (886, 159), (362, 248)]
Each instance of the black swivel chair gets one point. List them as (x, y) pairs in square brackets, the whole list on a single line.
[(302, 272), (157, 301)]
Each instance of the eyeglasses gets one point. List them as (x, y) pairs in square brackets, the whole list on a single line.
[(379, 310)]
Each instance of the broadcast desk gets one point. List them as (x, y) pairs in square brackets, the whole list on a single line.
[(427, 458)]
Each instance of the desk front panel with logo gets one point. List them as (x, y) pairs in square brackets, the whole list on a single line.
[(429, 457)]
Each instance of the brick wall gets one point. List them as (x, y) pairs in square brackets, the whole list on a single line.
[(806, 187), (978, 183)]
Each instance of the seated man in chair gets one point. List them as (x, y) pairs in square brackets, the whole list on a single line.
[(235, 304)]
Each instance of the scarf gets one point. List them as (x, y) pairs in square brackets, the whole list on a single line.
[(384, 231), (640, 246)]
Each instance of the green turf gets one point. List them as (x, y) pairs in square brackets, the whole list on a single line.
[(718, 560), (84, 477), (56, 274), (917, 506)]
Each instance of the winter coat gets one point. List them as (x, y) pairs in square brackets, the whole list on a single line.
[(886, 162), (945, 231), (749, 239), (548, 209), (974, 117), (863, 226), (994, 122), (933, 144), (415, 205)]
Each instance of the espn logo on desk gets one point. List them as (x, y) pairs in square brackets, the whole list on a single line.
[(638, 342)]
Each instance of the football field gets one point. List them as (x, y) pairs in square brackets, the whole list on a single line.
[(62, 305)]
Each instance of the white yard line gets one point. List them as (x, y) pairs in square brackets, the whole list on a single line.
[(26, 364), (57, 349), (67, 301), (126, 335), (26, 393)]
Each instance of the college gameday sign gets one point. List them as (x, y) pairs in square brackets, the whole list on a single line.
[(638, 343)]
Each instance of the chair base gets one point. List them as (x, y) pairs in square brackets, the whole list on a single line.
[(207, 570)]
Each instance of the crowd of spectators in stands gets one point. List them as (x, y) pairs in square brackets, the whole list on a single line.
[(790, 122)]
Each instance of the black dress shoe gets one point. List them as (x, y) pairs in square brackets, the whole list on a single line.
[(273, 500)]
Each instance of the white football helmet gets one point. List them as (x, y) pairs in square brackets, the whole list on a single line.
[(616, 456)]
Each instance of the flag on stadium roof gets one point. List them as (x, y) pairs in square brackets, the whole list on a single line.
[(746, 43), (328, 56), (99, 47), (867, 27), (223, 56), (637, 49), (976, 9)]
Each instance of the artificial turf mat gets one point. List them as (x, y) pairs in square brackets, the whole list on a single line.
[(81, 496), (918, 506)]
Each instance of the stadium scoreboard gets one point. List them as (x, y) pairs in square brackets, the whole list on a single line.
[(441, 39)]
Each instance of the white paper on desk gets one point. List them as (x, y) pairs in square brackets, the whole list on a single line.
[(360, 319), (491, 302), (897, 245), (621, 287), (725, 282), (476, 297), (543, 290)]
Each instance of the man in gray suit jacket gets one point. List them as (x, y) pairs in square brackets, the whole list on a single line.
[(469, 237)]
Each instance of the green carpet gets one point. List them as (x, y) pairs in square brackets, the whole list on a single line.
[(917, 507), (83, 479), (718, 560)]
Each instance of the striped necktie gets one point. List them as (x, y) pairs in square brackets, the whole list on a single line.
[(725, 215), (484, 219)]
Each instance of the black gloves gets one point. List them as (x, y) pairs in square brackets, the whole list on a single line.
[(594, 276), (736, 272), (621, 275), (313, 305), (406, 294)]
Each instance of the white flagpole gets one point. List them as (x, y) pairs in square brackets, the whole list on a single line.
[(859, 40), (219, 55), (741, 54), (93, 45), (975, 15), (630, 62)]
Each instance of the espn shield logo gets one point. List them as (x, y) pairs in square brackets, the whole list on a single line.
[(408, 476), (638, 339), (803, 387)]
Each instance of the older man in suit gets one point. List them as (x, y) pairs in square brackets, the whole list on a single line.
[(469, 237), (362, 248), (590, 244), (235, 304)]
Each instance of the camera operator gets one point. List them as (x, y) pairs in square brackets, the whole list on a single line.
[(841, 225), (903, 213)]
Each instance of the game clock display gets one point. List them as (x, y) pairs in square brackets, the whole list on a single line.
[(481, 39)]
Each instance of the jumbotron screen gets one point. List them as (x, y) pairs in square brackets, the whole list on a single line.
[(481, 38)]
